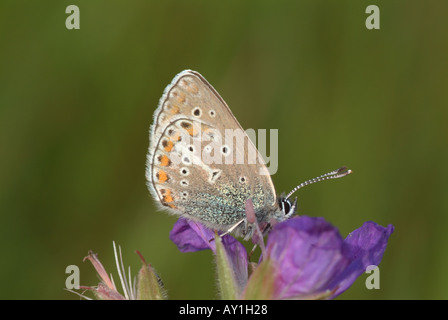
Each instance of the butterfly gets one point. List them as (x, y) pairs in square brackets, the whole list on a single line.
[(202, 166)]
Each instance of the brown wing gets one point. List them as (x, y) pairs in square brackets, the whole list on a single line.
[(200, 163)]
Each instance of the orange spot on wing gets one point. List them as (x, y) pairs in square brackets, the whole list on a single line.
[(168, 146), (162, 176), (168, 198), (164, 161)]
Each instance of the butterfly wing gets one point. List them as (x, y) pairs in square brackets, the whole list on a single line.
[(201, 164)]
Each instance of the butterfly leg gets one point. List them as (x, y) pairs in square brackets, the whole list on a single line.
[(232, 228)]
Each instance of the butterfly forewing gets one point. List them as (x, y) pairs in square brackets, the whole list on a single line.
[(201, 164)]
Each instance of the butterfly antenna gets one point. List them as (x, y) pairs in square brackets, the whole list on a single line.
[(338, 173)]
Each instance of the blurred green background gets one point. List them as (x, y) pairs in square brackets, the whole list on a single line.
[(76, 105)]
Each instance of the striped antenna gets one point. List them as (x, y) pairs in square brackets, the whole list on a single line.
[(338, 173)]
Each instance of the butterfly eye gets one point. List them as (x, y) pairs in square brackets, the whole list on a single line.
[(285, 206)]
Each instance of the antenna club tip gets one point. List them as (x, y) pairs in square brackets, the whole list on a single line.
[(344, 171)]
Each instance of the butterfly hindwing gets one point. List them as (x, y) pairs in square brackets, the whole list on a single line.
[(192, 169)]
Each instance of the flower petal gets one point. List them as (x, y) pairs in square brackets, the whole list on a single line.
[(364, 246), (93, 258), (313, 260), (191, 236), (308, 255)]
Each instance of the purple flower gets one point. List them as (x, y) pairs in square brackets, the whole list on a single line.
[(305, 257), (312, 260), (191, 236)]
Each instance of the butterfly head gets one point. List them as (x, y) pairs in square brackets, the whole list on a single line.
[(287, 208)]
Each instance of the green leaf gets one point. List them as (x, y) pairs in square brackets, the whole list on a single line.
[(227, 285)]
